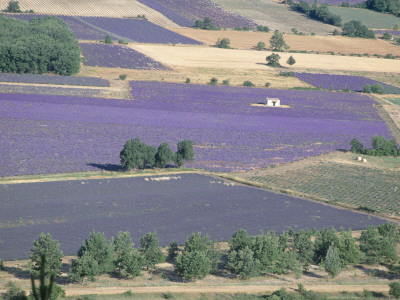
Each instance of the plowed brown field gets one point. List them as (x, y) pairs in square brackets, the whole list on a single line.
[(336, 44)]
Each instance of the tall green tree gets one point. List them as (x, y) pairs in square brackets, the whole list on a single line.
[(243, 263), (192, 265), (266, 250), (273, 60), (332, 262), (137, 155), (349, 251), (304, 247), (128, 260), (325, 239), (13, 7), (164, 155), (151, 251), (357, 29), (185, 152), (277, 42), (50, 248), (97, 247)]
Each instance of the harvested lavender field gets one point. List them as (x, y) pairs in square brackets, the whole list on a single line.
[(116, 56), (67, 134), (53, 79), (173, 206)]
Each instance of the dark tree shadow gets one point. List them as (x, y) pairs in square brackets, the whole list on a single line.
[(374, 272), (106, 167), (18, 273), (312, 274), (169, 275)]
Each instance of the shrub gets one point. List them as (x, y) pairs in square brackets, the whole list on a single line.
[(394, 289), (108, 40), (367, 88), (122, 42), (262, 28), (387, 36), (286, 74), (223, 43), (335, 32), (14, 292), (248, 83), (389, 56), (185, 152), (225, 82), (213, 81), (122, 76), (260, 46), (273, 60), (187, 80), (291, 61), (377, 88), (206, 24), (267, 84)]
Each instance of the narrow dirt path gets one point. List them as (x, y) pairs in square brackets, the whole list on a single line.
[(253, 289)]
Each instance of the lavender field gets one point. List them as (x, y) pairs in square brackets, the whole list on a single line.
[(392, 32), (341, 82), (50, 79), (335, 2), (53, 134), (137, 30), (174, 207), (198, 10), (116, 56), (51, 90)]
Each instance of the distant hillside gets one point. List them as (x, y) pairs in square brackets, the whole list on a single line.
[(275, 15), (105, 8)]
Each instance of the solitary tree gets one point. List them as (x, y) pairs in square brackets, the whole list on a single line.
[(277, 42), (185, 152), (357, 29), (108, 40), (291, 61), (50, 248), (260, 45), (273, 60)]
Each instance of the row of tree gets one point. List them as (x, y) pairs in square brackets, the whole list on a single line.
[(290, 252), (138, 155), (384, 6), (381, 146), (39, 46)]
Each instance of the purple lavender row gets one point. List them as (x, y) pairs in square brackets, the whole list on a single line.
[(116, 56), (53, 79), (341, 82), (392, 32), (48, 90), (169, 13), (199, 9), (194, 203), (141, 31), (229, 133)]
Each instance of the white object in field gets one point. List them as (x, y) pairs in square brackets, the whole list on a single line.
[(364, 160), (359, 158), (274, 102)]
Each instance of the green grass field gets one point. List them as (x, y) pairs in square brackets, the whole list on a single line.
[(369, 18), (394, 100), (374, 185)]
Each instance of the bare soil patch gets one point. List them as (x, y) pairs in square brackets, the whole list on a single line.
[(103, 8), (336, 44), (207, 57)]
